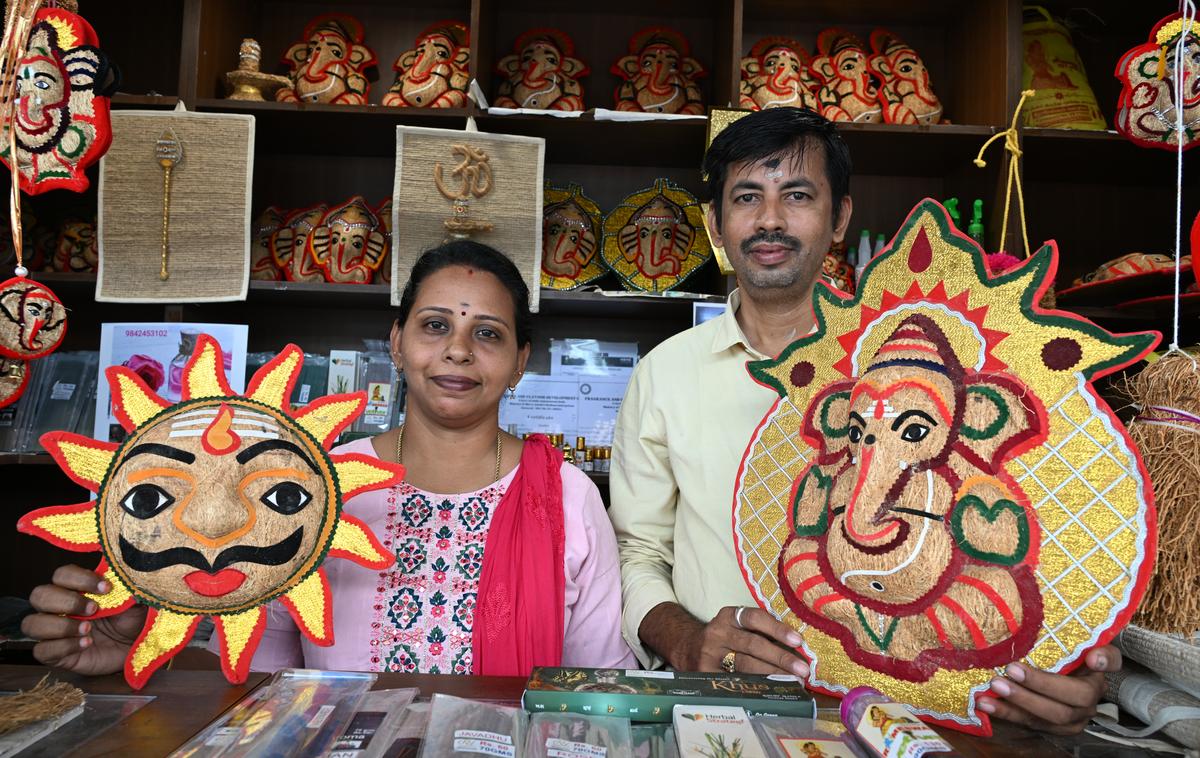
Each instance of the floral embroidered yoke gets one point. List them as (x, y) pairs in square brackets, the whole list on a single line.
[(424, 608)]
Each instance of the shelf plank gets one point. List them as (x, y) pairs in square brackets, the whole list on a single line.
[(1078, 156), (125, 100)]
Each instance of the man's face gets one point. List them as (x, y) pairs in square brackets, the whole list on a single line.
[(777, 220)]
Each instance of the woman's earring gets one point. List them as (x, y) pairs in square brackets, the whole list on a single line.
[(512, 391)]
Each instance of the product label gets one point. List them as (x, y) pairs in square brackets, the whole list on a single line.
[(893, 732), (320, 717), (559, 748), (379, 402), (812, 747), (62, 391), (650, 674), (223, 737), (484, 743), (304, 394)]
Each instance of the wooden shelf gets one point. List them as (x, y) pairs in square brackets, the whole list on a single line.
[(1076, 156), (26, 459), (124, 100)]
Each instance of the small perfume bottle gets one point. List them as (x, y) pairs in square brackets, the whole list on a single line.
[(187, 346)]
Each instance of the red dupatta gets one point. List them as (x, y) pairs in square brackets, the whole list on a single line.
[(519, 610)]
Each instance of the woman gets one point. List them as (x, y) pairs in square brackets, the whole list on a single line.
[(480, 514)]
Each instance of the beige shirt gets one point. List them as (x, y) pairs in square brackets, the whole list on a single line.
[(688, 415)]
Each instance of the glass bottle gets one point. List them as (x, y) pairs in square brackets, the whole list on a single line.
[(187, 345)]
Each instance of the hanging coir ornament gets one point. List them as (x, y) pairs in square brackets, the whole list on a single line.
[(33, 320)]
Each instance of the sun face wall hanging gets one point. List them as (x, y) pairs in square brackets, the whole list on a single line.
[(61, 104), (215, 506), (1146, 106), (939, 490)]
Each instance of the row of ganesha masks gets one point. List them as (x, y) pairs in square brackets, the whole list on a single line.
[(67, 245), (653, 240), (846, 81)]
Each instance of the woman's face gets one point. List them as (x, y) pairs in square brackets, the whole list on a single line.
[(458, 348)]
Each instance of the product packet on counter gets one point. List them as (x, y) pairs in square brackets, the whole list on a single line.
[(375, 724), (569, 735), (654, 741), (469, 728), (786, 737)]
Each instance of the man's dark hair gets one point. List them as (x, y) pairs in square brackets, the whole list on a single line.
[(777, 132), (478, 256)]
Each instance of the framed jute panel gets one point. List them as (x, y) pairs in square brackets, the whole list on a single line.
[(459, 184), (209, 219)]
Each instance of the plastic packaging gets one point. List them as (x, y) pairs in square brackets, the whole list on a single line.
[(468, 728), (788, 737), (654, 741), (571, 735), (375, 725), (887, 729)]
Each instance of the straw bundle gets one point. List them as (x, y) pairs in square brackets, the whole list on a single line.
[(46, 700)]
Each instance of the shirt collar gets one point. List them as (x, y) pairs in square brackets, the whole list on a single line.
[(728, 332)]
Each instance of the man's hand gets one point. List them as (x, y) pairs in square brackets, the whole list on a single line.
[(1052, 703), (761, 645), (85, 647)]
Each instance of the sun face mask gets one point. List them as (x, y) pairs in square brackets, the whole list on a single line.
[(939, 491), (216, 505)]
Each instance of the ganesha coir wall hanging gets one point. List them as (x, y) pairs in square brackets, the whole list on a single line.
[(939, 490), (215, 506)]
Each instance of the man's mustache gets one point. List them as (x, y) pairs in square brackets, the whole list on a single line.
[(770, 238), (271, 555)]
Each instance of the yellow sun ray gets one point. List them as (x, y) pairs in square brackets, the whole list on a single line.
[(272, 384), (354, 541), (204, 375), (312, 608), (358, 473), (165, 634), (239, 633), (66, 35), (85, 460), (115, 599), (326, 418), (69, 526), (132, 398)]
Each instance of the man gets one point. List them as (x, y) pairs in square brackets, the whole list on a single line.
[(779, 182)]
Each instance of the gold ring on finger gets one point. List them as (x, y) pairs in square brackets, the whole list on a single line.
[(727, 662)]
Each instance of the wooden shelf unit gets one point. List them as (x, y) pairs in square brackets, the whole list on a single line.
[(1096, 194)]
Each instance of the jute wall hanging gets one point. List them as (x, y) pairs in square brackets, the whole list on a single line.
[(467, 185), (939, 490), (216, 505), (174, 221)]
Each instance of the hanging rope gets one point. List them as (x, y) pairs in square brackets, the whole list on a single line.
[(1012, 143), (17, 26), (1188, 9)]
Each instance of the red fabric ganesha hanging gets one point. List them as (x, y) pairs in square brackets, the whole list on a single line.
[(61, 105)]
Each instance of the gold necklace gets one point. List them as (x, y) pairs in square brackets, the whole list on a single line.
[(499, 447)]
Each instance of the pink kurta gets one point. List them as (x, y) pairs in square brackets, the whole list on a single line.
[(417, 615)]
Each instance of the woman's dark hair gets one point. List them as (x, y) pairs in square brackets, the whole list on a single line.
[(478, 256), (777, 132)]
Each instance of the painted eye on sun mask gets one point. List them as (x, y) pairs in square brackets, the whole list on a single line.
[(287, 498), (146, 501)]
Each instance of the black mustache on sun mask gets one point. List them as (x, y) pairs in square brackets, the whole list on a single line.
[(271, 555)]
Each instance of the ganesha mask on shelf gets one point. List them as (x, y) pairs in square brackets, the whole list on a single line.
[(1146, 108), (848, 91), (659, 74), (262, 265), (435, 73), (776, 74), (75, 248), (542, 73), (383, 274), (652, 240), (330, 64), (289, 245), (570, 238), (907, 95), (349, 242), (61, 117)]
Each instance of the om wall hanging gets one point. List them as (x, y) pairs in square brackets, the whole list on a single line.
[(939, 489)]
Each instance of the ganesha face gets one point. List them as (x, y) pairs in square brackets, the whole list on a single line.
[(32, 320), (568, 240), (182, 538), (783, 67), (42, 94), (76, 247), (910, 542), (1152, 100), (434, 53), (657, 238)]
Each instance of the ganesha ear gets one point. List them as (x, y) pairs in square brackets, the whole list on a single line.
[(880, 66), (462, 57), (827, 421), (627, 66), (297, 54), (361, 55), (573, 67), (319, 242), (684, 235), (1001, 417), (376, 249), (406, 60), (83, 63), (750, 67), (822, 68), (509, 65), (692, 68)]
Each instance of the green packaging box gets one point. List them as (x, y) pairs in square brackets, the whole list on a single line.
[(650, 695)]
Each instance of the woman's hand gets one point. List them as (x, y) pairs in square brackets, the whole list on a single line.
[(84, 647)]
